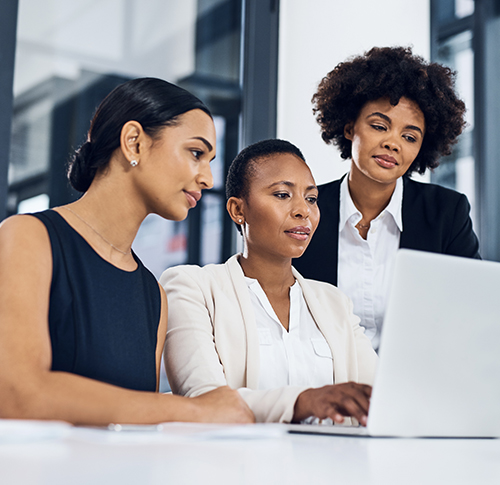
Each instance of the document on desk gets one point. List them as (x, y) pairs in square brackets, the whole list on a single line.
[(29, 431), (177, 432)]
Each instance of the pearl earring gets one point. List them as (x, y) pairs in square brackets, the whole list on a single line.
[(134, 163), (240, 220)]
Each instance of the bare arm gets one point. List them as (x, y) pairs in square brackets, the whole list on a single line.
[(28, 387)]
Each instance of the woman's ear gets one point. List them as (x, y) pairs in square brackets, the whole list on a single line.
[(132, 141), (236, 210), (348, 130)]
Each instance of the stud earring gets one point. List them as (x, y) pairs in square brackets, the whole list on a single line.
[(240, 221), (134, 163)]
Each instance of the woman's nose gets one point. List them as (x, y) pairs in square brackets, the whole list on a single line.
[(301, 210), (391, 143), (205, 177)]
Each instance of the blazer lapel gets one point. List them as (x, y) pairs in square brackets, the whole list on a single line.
[(240, 288), (326, 322), (407, 214), (332, 211)]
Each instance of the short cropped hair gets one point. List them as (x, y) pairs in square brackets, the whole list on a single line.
[(245, 165), (393, 73)]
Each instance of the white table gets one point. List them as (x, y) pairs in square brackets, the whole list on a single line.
[(82, 456)]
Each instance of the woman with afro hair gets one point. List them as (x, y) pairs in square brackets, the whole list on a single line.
[(391, 113)]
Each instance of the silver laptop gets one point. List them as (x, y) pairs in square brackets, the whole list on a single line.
[(439, 368)]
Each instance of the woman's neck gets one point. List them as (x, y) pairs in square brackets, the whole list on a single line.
[(274, 275), (369, 196), (109, 216)]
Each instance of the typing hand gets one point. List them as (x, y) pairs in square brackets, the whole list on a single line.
[(336, 402)]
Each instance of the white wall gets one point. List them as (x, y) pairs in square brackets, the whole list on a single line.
[(316, 35), (130, 37)]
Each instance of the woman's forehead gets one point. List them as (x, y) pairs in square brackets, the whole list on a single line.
[(279, 167), (405, 109)]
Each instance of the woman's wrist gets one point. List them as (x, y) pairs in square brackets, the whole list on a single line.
[(303, 409)]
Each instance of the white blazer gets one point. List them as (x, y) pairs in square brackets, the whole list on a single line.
[(212, 337)]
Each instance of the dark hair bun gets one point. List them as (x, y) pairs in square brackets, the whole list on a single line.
[(152, 102), (80, 171)]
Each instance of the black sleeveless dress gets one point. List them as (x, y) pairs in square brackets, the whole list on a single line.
[(103, 321)]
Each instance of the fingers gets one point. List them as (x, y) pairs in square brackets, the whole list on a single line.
[(351, 400), (335, 402), (348, 406), (354, 401)]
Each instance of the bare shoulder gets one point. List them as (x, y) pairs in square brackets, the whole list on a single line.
[(24, 243), (25, 279), (23, 227)]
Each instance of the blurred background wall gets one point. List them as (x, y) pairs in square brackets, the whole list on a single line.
[(314, 38), (256, 63)]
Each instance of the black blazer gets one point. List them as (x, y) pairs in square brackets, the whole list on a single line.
[(435, 219)]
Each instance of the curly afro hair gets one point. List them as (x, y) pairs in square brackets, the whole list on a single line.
[(391, 72)]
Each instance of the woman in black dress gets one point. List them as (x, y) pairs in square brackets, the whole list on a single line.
[(82, 321)]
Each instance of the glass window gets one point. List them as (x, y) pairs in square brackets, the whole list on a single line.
[(457, 170), (70, 55), (449, 10), (34, 204), (464, 8)]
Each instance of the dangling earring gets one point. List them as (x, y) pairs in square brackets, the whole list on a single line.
[(134, 163)]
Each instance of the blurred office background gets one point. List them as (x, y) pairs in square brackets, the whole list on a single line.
[(256, 64)]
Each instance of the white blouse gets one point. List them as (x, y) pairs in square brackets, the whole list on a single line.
[(365, 267), (299, 357)]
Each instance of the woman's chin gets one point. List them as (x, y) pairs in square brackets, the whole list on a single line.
[(178, 215), (298, 252)]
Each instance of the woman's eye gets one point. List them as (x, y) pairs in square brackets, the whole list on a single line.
[(282, 195), (410, 138), (312, 200), (197, 154), (378, 127)]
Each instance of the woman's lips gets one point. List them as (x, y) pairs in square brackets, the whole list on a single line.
[(192, 197), (386, 161), (300, 232)]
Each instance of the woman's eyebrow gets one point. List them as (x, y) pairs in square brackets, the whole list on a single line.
[(282, 182), (291, 184), (386, 118), (206, 142), (380, 115), (413, 127)]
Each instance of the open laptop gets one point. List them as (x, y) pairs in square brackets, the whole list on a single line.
[(439, 368)]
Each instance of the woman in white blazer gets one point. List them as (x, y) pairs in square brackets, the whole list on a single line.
[(291, 346)]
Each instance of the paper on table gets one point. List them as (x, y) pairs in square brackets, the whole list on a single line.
[(226, 431), (179, 432), (28, 430)]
